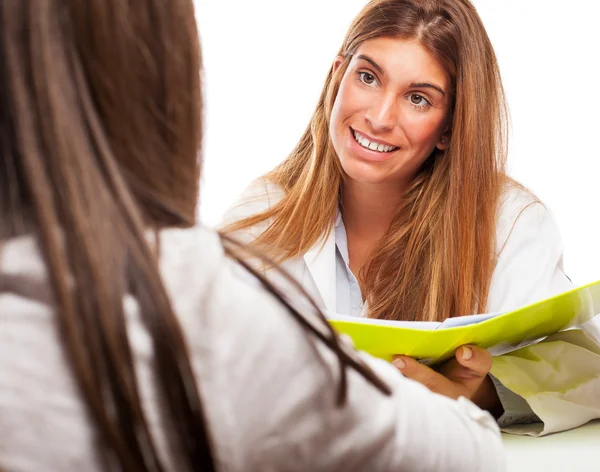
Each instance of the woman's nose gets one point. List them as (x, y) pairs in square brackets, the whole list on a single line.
[(383, 115)]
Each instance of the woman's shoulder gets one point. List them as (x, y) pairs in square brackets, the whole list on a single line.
[(258, 197), (263, 189), (515, 199), (520, 209), (189, 258), (529, 264)]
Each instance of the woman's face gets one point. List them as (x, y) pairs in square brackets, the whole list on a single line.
[(391, 111)]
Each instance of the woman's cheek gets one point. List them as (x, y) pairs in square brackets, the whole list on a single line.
[(422, 129)]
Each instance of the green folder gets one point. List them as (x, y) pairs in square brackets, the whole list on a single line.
[(433, 343)]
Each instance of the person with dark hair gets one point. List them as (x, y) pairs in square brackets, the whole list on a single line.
[(131, 340)]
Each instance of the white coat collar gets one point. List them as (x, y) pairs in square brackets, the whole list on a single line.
[(320, 260)]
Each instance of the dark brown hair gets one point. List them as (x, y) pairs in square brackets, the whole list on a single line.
[(100, 132), (100, 114)]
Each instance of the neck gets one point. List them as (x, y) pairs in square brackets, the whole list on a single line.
[(368, 209)]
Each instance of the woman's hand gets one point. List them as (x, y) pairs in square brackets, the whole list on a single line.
[(464, 375)]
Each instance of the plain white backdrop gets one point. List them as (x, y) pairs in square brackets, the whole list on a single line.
[(266, 61)]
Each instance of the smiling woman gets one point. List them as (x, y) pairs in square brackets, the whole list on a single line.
[(419, 220), (395, 203)]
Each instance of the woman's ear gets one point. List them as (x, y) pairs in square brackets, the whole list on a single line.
[(337, 63), (444, 141)]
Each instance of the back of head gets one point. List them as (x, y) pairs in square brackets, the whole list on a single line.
[(100, 125), (132, 69)]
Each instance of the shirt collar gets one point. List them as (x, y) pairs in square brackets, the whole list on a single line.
[(338, 217)]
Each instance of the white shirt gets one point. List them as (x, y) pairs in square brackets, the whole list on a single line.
[(269, 389), (529, 252), (529, 266), (349, 300)]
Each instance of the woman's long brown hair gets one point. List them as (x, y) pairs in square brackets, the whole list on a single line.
[(93, 126), (100, 133), (436, 259)]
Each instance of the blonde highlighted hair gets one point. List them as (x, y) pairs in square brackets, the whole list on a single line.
[(437, 257)]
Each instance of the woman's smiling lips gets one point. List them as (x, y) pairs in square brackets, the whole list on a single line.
[(369, 148)]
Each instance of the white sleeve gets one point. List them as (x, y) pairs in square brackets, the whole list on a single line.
[(270, 391), (257, 198), (530, 261), (529, 269)]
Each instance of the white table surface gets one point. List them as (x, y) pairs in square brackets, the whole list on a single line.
[(577, 450)]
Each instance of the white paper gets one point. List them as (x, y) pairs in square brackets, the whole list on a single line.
[(429, 325)]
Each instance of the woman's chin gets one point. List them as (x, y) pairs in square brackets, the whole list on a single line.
[(366, 172)]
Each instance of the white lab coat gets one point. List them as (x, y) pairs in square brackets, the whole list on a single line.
[(529, 268)]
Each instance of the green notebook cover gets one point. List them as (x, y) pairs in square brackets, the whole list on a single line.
[(509, 329)]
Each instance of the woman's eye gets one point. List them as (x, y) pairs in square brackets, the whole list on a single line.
[(418, 100), (367, 78)]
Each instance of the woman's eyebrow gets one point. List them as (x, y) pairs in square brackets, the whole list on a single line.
[(372, 62), (428, 85)]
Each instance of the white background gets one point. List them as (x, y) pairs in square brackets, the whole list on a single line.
[(266, 61)]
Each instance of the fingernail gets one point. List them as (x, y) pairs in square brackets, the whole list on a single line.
[(467, 353), (399, 363)]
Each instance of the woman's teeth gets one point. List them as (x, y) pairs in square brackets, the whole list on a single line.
[(364, 142)]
